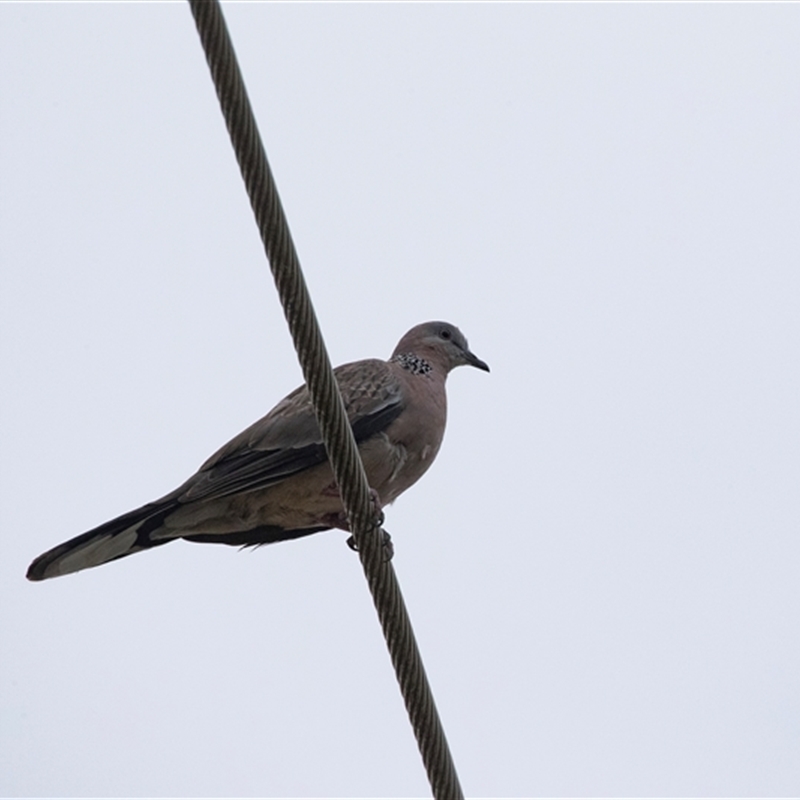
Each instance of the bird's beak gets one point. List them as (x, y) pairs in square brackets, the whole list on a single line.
[(474, 361)]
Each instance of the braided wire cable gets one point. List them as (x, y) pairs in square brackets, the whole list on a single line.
[(326, 398)]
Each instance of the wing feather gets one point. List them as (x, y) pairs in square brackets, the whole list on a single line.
[(288, 440)]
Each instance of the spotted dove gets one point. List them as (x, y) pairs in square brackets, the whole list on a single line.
[(273, 481)]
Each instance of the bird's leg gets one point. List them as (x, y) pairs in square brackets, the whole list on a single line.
[(375, 499), (388, 547), (339, 519)]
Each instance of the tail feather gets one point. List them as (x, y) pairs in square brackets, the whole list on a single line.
[(120, 537)]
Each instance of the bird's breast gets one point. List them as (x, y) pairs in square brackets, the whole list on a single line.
[(397, 458)]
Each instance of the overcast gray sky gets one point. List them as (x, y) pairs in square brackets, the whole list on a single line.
[(602, 566)]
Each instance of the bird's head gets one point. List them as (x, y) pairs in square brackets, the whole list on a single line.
[(439, 344)]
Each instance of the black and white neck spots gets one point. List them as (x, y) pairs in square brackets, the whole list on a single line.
[(414, 364)]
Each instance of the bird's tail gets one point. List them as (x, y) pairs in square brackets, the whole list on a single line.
[(120, 537)]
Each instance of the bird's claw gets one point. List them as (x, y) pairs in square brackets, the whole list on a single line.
[(386, 544)]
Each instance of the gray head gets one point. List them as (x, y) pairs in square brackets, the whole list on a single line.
[(439, 345)]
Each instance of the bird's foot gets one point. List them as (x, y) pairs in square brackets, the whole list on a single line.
[(339, 519), (386, 544)]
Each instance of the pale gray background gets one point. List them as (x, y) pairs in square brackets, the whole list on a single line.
[(602, 566)]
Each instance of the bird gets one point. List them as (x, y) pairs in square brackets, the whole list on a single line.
[(273, 481)]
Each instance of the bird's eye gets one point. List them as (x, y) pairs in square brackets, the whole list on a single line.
[(446, 334)]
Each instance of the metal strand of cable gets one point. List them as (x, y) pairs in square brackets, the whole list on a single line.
[(337, 434)]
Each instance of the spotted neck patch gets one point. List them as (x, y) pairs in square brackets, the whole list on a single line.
[(413, 363)]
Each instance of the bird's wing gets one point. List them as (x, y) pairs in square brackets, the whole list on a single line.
[(288, 440)]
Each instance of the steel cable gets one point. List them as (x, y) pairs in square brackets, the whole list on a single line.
[(337, 434)]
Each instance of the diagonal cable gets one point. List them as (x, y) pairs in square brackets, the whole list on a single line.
[(337, 434)]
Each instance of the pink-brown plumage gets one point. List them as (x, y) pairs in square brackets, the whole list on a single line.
[(273, 482)]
